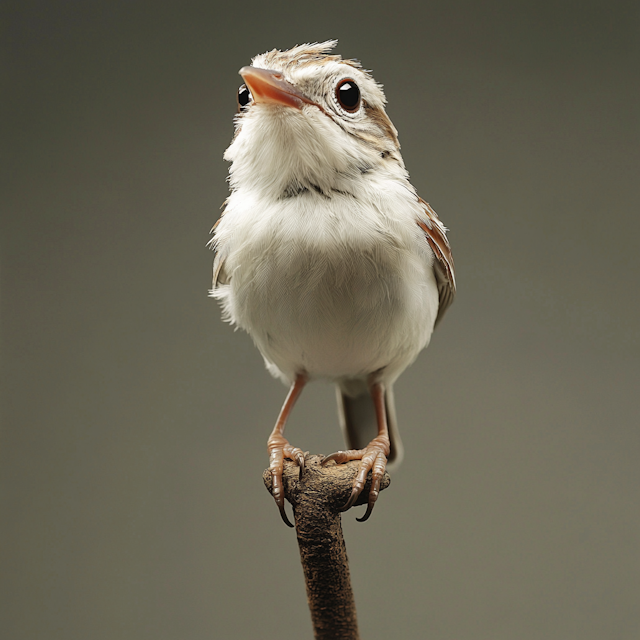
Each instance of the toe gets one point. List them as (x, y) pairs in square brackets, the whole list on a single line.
[(377, 473), (340, 457), (279, 449), (295, 454), (277, 490)]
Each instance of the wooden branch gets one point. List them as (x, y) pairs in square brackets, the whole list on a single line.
[(316, 499)]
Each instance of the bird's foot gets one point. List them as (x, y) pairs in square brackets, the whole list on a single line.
[(279, 449), (372, 458)]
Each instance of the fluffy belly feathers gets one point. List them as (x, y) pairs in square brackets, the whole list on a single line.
[(335, 315)]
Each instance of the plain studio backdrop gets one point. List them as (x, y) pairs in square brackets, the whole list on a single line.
[(134, 421)]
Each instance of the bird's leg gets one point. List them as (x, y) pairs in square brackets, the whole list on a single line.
[(372, 458), (279, 447)]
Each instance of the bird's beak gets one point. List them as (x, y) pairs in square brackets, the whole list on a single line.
[(269, 87)]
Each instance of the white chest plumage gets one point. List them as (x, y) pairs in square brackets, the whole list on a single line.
[(329, 285)]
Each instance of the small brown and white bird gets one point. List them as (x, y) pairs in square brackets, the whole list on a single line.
[(325, 254)]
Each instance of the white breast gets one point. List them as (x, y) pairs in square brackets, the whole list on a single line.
[(328, 285)]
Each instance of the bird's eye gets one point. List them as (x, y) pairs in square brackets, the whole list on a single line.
[(244, 96), (348, 95)]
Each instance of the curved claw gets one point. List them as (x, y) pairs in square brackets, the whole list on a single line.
[(300, 463), (341, 456), (368, 512), (355, 492), (329, 458), (283, 514), (278, 496), (374, 492)]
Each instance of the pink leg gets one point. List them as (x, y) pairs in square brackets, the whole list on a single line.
[(372, 458), (279, 447)]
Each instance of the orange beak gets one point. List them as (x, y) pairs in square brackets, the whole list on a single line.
[(269, 87)]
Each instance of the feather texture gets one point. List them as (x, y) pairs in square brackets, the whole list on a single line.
[(325, 254), (436, 236)]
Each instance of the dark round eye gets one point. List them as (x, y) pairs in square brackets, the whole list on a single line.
[(348, 95), (244, 96)]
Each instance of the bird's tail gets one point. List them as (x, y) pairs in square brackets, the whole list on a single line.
[(359, 425)]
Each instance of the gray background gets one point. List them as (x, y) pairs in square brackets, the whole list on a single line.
[(134, 421)]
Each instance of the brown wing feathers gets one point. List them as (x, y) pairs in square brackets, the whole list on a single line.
[(436, 235)]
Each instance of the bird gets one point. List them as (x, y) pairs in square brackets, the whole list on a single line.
[(324, 252)]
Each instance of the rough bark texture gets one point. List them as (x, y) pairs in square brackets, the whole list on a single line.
[(316, 499)]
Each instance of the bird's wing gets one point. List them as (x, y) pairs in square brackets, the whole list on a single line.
[(436, 235)]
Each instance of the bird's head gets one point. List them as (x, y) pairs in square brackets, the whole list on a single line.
[(310, 121)]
